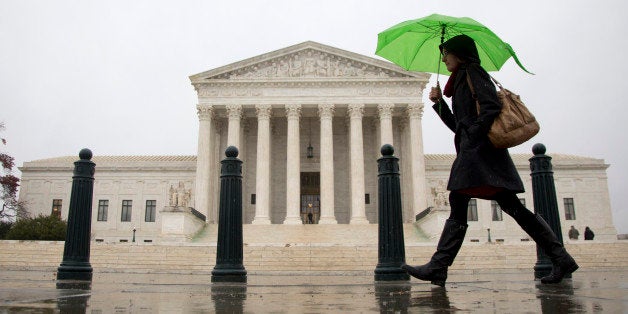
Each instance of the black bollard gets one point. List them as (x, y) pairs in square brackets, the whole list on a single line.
[(391, 247), (229, 251), (75, 264), (545, 203)]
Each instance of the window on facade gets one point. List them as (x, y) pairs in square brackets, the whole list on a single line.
[(103, 208), (570, 210), (253, 199), (56, 208), (126, 210), (472, 210), (151, 206), (497, 211), (367, 198)]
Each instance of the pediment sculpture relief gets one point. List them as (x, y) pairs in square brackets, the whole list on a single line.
[(308, 63)]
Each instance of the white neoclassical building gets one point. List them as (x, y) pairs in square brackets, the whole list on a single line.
[(309, 121)]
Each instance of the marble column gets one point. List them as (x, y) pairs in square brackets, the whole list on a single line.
[(233, 131), (358, 212), (385, 124), (293, 167), (262, 174), (417, 158), (326, 113), (203, 198)]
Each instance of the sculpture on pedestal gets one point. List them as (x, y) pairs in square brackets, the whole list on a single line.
[(180, 196)]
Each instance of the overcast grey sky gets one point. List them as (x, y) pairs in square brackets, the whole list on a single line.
[(113, 75)]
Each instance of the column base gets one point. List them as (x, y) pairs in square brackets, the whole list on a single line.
[(261, 221), (292, 221), (327, 221), (390, 273), (359, 221)]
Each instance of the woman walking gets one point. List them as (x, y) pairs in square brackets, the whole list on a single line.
[(480, 170)]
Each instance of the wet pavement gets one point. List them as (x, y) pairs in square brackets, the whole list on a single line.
[(513, 291)]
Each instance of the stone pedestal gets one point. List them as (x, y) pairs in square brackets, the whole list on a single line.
[(180, 223), (432, 224)]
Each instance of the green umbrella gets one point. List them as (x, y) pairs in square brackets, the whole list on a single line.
[(413, 45)]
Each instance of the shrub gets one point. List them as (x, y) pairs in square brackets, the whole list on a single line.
[(46, 228), (4, 228)]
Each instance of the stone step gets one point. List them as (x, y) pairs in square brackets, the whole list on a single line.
[(338, 234), (191, 257)]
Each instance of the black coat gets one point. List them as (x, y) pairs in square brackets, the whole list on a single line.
[(480, 169)]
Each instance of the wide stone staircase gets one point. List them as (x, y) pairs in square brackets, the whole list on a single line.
[(312, 249)]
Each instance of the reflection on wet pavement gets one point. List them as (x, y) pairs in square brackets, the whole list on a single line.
[(513, 292)]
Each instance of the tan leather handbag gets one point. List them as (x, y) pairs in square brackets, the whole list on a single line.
[(515, 124)]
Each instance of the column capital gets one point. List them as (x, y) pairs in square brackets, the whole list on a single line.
[(293, 111), (385, 110), (356, 111), (415, 110), (326, 111), (264, 112), (234, 111), (205, 112)]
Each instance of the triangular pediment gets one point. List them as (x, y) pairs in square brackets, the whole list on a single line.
[(308, 60)]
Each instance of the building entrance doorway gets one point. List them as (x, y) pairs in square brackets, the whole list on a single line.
[(310, 197)]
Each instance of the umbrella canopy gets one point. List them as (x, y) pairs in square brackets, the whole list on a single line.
[(413, 45)]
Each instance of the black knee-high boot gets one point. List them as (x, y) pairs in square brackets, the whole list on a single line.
[(562, 262), (448, 246), (537, 228)]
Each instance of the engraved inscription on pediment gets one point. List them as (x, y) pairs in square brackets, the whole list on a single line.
[(308, 63)]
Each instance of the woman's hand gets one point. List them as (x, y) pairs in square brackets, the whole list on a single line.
[(436, 94)]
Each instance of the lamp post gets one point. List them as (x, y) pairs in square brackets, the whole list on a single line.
[(133, 235), (310, 149), (489, 234)]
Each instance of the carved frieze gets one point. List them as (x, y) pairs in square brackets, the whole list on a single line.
[(309, 63), (291, 89)]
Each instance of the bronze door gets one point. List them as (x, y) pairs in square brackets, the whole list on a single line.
[(310, 197)]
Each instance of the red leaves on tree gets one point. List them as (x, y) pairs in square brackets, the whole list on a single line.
[(9, 183), (7, 161)]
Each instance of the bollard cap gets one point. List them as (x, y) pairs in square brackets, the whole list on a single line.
[(387, 150), (538, 149), (85, 153), (231, 151)]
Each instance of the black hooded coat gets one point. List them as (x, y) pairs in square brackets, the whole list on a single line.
[(479, 170)]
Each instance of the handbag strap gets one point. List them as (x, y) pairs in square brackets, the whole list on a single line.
[(496, 82), (477, 103), (474, 95)]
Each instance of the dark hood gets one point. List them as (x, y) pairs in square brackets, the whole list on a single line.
[(463, 47)]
